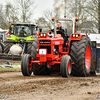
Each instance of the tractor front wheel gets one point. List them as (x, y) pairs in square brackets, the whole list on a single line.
[(26, 66), (65, 66)]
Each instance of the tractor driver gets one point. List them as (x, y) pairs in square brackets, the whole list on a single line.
[(22, 32), (62, 31)]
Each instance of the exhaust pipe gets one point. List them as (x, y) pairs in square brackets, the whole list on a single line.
[(53, 19)]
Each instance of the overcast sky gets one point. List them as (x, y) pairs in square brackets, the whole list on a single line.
[(41, 6)]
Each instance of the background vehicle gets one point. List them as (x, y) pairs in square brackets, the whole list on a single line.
[(3, 35), (15, 45)]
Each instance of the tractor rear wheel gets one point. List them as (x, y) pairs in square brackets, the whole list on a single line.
[(26, 67), (41, 70), (38, 69), (7, 47), (1, 47), (66, 66), (81, 56)]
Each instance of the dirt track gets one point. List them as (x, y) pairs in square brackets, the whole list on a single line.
[(53, 87)]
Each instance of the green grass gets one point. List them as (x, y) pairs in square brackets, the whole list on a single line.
[(12, 63), (2, 69), (16, 64)]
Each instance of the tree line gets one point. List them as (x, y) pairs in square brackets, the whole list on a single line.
[(23, 11), (20, 11)]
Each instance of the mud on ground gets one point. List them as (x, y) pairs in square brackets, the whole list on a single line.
[(52, 87)]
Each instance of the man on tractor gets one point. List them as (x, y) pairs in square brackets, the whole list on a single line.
[(22, 32), (62, 31)]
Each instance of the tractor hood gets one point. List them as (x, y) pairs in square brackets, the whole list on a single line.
[(16, 38)]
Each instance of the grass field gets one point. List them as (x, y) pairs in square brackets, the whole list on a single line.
[(6, 69), (16, 63), (11, 63)]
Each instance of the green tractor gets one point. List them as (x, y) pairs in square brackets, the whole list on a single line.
[(19, 41)]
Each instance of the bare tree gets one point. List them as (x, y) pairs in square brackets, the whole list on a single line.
[(11, 12), (93, 9), (26, 9), (21, 11), (8, 7), (75, 9), (46, 20), (42, 23), (48, 14), (1, 15), (58, 8), (70, 9), (2, 18)]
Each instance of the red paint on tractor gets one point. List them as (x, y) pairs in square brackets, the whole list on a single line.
[(88, 57), (51, 58), (30, 64), (69, 67)]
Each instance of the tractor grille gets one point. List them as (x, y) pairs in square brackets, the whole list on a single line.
[(45, 42), (46, 47)]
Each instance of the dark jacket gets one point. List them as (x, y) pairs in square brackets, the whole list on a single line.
[(61, 31), (22, 32)]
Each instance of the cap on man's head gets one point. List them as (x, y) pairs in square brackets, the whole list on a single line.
[(22, 27)]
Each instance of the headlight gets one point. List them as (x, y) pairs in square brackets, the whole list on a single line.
[(41, 35), (73, 35), (54, 50), (44, 34), (76, 35)]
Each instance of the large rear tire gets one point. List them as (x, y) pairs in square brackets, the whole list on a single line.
[(29, 46), (38, 69), (66, 66), (7, 47), (1, 47), (81, 56), (26, 67)]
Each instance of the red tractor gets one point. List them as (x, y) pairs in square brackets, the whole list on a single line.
[(48, 53)]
